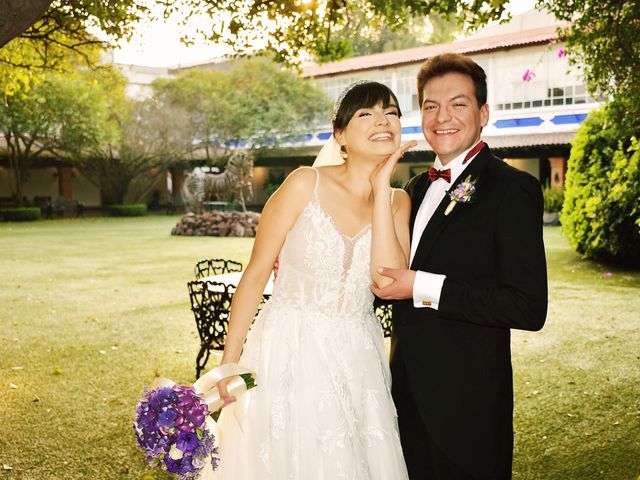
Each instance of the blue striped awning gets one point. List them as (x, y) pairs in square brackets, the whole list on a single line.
[(518, 122), (567, 119)]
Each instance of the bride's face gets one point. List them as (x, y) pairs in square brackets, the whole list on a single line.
[(373, 131)]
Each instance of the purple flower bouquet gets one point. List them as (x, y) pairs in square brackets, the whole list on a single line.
[(174, 423), (171, 426)]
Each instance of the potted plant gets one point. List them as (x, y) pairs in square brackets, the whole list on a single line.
[(553, 199)]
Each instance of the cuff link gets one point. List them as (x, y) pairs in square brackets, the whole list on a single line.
[(426, 303)]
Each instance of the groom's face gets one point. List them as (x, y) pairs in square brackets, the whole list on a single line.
[(451, 117)]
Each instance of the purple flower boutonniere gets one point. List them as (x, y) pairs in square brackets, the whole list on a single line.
[(461, 194)]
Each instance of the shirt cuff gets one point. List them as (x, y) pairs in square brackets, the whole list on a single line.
[(427, 288)]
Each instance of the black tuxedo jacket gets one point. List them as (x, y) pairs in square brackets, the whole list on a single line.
[(458, 358)]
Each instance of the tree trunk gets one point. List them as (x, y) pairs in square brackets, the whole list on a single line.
[(18, 15), (20, 167)]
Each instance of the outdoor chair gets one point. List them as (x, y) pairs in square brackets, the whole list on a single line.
[(210, 304), (217, 266), (79, 208)]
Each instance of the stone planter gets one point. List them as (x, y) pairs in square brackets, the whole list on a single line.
[(218, 224), (551, 218)]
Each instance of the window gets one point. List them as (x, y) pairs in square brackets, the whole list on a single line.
[(571, 95), (406, 92)]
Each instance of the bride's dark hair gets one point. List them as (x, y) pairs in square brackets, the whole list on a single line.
[(363, 95)]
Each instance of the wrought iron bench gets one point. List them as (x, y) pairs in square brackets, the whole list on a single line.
[(216, 266)]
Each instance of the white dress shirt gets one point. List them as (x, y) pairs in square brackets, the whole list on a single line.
[(428, 286)]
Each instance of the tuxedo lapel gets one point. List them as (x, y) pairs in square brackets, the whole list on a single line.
[(439, 220), (417, 192)]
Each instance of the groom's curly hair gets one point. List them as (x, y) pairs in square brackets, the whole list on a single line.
[(453, 63)]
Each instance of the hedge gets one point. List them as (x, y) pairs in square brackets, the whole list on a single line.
[(601, 212), (21, 214), (135, 210)]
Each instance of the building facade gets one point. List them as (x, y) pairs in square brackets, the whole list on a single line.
[(537, 102)]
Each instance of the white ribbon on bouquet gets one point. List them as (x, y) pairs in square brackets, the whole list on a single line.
[(206, 388)]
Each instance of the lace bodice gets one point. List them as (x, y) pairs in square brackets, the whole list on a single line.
[(323, 269)]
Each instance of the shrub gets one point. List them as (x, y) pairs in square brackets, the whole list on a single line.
[(135, 210), (271, 187), (601, 214), (553, 198), (22, 214)]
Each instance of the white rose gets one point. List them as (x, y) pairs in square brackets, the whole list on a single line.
[(175, 453)]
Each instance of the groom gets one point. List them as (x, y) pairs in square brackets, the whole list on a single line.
[(477, 270)]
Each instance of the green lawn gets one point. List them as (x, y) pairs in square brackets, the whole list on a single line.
[(92, 309)]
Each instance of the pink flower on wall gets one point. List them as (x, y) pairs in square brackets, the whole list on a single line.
[(528, 75), (561, 53)]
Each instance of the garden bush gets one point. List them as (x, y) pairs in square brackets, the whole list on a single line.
[(135, 210), (601, 213), (21, 214), (553, 198)]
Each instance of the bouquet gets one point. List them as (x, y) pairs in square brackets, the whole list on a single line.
[(174, 423), (171, 428)]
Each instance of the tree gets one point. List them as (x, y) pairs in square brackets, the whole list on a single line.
[(143, 138), (204, 95), (56, 114), (255, 104), (600, 216), (18, 15), (273, 105), (62, 38), (603, 40), (290, 30), (368, 36)]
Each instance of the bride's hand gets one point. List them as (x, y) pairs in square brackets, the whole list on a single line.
[(380, 178), (224, 393)]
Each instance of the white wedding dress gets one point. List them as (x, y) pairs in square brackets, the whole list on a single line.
[(322, 408)]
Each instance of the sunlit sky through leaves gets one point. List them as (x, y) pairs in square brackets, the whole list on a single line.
[(157, 43)]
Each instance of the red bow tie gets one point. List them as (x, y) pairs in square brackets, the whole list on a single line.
[(435, 174)]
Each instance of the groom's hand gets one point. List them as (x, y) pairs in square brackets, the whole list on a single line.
[(400, 289)]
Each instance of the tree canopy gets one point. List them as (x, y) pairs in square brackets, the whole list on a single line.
[(242, 107), (292, 30), (603, 40), (602, 37), (57, 114), (67, 34), (370, 35)]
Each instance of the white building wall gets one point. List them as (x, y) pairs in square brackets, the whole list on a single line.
[(42, 182), (84, 191), (140, 77), (547, 109), (553, 84)]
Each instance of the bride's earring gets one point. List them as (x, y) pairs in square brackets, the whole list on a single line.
[(343, 153)]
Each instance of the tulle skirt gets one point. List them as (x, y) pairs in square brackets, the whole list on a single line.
[(322, 408)]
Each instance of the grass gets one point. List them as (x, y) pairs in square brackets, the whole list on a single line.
[(93, 309)]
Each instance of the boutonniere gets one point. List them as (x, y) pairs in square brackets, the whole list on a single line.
[(461, 194)]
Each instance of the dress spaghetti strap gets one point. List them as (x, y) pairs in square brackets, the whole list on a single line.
[(315, 186)]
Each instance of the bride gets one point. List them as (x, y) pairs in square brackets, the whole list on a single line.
[(322, 408)]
